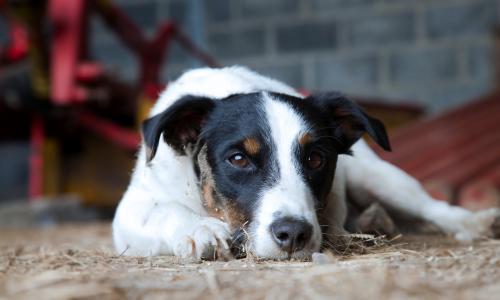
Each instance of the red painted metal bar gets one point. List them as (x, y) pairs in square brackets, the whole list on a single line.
[(68, 18), (68, 26), (152, 57), (124, 138), (35, 189), (121, 25), (18, 45), (18, 48)]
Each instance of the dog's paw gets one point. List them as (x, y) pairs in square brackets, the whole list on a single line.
[(484, 223), (202, 239)]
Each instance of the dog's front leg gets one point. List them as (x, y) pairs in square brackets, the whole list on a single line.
[(370, 179), (147, 225)]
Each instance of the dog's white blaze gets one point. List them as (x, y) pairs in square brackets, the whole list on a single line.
[(290, 197)]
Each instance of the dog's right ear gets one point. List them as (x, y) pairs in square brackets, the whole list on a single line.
[(180, 123)]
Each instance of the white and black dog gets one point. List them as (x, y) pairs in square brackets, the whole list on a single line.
[(230, 157)]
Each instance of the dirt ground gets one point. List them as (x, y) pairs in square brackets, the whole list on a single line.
[(79, 262)]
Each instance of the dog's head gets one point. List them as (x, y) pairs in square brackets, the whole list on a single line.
[(266, 161)]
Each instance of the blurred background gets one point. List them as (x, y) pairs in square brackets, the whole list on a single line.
[(77, 77)]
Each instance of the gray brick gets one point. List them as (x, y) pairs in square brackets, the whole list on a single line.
[(321, 5), (142, 14), (177, 54), (310, 36), (346, 74), (381, 29), (480, 62), (440, 100), (14, 159), (172, 73), (4, 31), (238, 44), (461, 19), (217, 10), (423, 65), (177, 11), (112, 53), (99, 30), (264, 8), (116, 56), (410, 1), (289, 74)]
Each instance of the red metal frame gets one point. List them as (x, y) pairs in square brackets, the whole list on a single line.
[(452, 153), (125, 138), (69, 19), (35, 184), (72, 74), (18, 46)]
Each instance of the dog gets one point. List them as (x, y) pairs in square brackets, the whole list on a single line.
[(231, 158)]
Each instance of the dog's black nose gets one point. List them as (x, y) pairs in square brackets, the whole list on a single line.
[(291, 235)]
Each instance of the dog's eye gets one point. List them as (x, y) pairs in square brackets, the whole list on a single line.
[(239, 160), (314, 161)]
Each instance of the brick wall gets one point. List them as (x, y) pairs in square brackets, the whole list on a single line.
[(434, 52)]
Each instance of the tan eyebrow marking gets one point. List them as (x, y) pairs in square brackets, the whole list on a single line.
[(305, 139), (251, 145)]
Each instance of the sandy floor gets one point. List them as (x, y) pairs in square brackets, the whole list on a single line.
[(78, 262)]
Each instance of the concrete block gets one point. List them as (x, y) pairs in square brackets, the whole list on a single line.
[(14, 159), (4, 31), (236, 44), (289, 74), (177, 54), (381, 29), (462, 19), (423, 65), (308, 36), (218, 10), (265, 8), (117, 57), (440, 100), (99, 30), (177, 12), (346, 74), (480, 62), (172, 72), (321, 5), (143, 14)]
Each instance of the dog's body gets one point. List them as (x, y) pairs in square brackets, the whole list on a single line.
[(248, 160)]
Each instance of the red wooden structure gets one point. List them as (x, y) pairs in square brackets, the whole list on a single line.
[(456, 155)]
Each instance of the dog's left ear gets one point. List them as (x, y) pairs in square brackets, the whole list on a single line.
[(181, 124), (350, 122)]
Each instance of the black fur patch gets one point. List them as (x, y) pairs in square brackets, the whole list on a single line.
[(180, 124)]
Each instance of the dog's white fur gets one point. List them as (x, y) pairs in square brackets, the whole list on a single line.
[(162, 211), (291, 197)]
